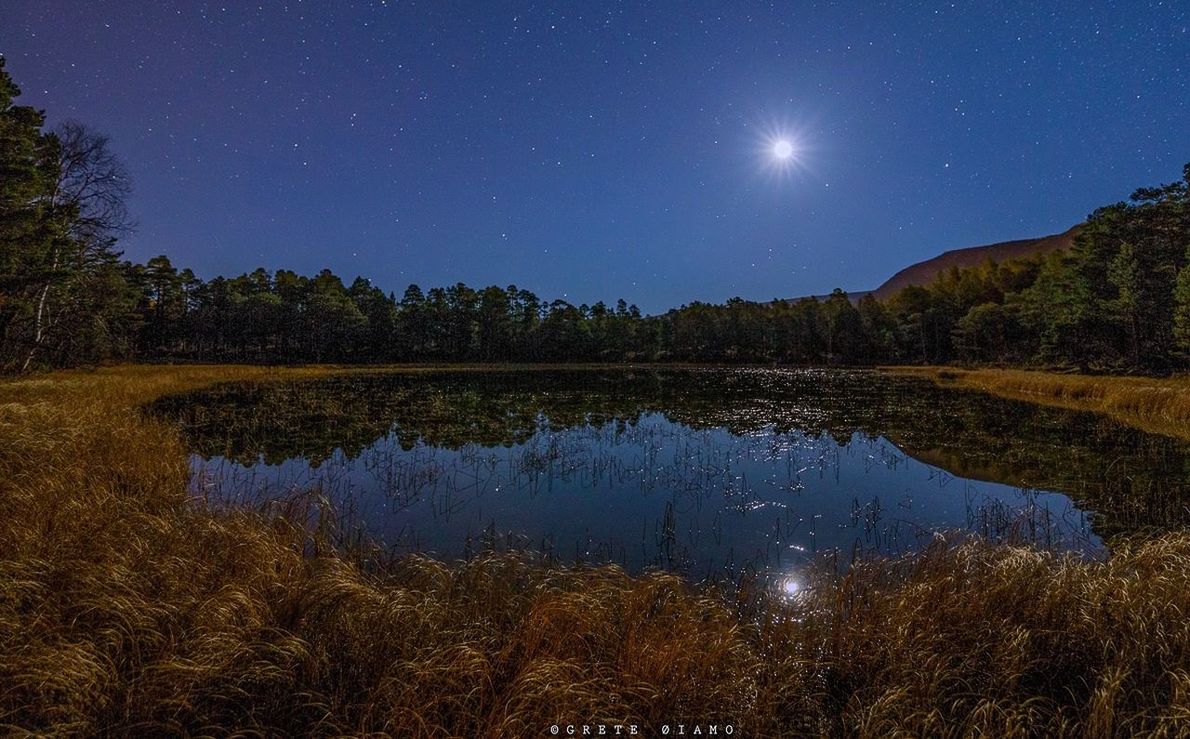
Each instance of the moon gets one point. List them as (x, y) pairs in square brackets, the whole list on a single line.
[(782, 149)]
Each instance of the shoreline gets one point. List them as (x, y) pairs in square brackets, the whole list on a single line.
[(1157, 405)]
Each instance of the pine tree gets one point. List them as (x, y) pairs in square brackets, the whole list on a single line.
[(1181, 316), (1124, 272), (27, 232)]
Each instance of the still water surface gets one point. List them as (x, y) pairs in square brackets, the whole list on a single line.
[(708, 472)]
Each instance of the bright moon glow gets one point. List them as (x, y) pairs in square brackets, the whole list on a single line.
[(780, 150), (790, 587)]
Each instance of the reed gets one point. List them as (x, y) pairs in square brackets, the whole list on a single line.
[(128, 608), (1154, 404)]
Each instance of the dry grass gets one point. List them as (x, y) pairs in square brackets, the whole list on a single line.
[(125, 609), (1153, 404)]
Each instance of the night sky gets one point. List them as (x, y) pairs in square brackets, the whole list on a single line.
[(595, 150)]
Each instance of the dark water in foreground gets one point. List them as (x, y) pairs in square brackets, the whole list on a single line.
[(706, 472)]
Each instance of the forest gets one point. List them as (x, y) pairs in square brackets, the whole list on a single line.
[(1118, 301)]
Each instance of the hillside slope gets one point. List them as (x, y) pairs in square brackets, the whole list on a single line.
[(923, 273)]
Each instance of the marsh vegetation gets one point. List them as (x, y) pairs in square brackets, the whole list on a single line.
[(129, 606)]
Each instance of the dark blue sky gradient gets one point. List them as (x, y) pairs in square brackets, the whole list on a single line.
[(594, 150)]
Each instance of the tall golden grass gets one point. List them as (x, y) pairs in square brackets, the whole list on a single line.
[(1154, 404), (126, 608)]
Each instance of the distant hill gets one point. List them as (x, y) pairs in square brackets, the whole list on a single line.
[(923, 273)]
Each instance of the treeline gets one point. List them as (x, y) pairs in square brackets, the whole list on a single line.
[(1119, 300), (286, 317)]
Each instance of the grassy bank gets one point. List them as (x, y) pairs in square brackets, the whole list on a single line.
[(1154, 404), (125, 608)]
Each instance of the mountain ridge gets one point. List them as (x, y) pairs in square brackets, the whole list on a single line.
[(923, 273), (926, 271)]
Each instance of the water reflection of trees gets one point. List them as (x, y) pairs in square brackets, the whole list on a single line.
[(1131, 479)]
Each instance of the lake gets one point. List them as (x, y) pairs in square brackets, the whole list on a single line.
[(707, 472)]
